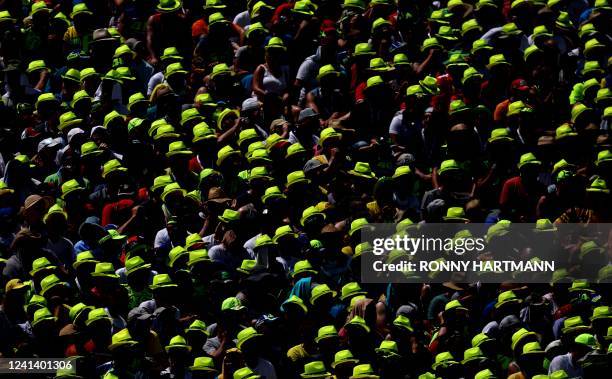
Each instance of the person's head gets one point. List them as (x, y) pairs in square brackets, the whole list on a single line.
[(44, 325), (218, 25), (251, 109), (529, 168), (250, 342), (582, 345), (178, 351), (176, 76), (40, 15), (462, 140), (15, 292), (82, 17), (308, 122), (99, 324), (327, 339), (275, 51)]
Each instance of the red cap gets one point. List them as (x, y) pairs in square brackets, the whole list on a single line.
[(520, 84), (328, 26)]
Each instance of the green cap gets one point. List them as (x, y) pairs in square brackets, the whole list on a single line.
[(276, 43), (226, 152), (84, 257), (309, 212), (497, 60), (444, 359), (301, 267), (122, 339), (198, 256), (78, 310), (68, 121), (105, 269), (469, 25), (245, 335), (174, 69), (98, 314), (162, 281), (363, 49), (135, 264), (480, 44), (80, 9), (232, 304), (379, 23), (283, 231), (247, 266), (330, 134), (41, 265), (364, 371), (471, 73), (388, 349), (175, 254), (379, 65), (507, 297), (528, 159), (171, 53), (245, 373), (350, 290), (472, 354), (480, 339), (327, 70), (178, 148), (220, 69), (521, 335), (320, 291), (343, 357), (247, 135), (177, 343), (41, 315), (36, 65), (586, 339), (81, 96), (447, 166), (430, 85), (49, 282), (315, 370), (203, 132), (485, 374), (137, 98), (327, 331), (204, 364), (363, 170), (229, 216), (296, 177), (431, 43)]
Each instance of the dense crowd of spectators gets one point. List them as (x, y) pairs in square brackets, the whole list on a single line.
[(185, 183)]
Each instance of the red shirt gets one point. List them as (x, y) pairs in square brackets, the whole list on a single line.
[(359, 91), (118, 212), (194, 165), (514, 195), (199, 28)]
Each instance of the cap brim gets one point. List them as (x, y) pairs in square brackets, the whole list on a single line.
[(355, 173), (344, 362), (44, 291), (330, 293), (122, 344), (139, 268), (103, 275), (353, 294), (205, 369)]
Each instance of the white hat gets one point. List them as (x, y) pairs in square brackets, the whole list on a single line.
[(48, 143), (250, 104), (74, 132)]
